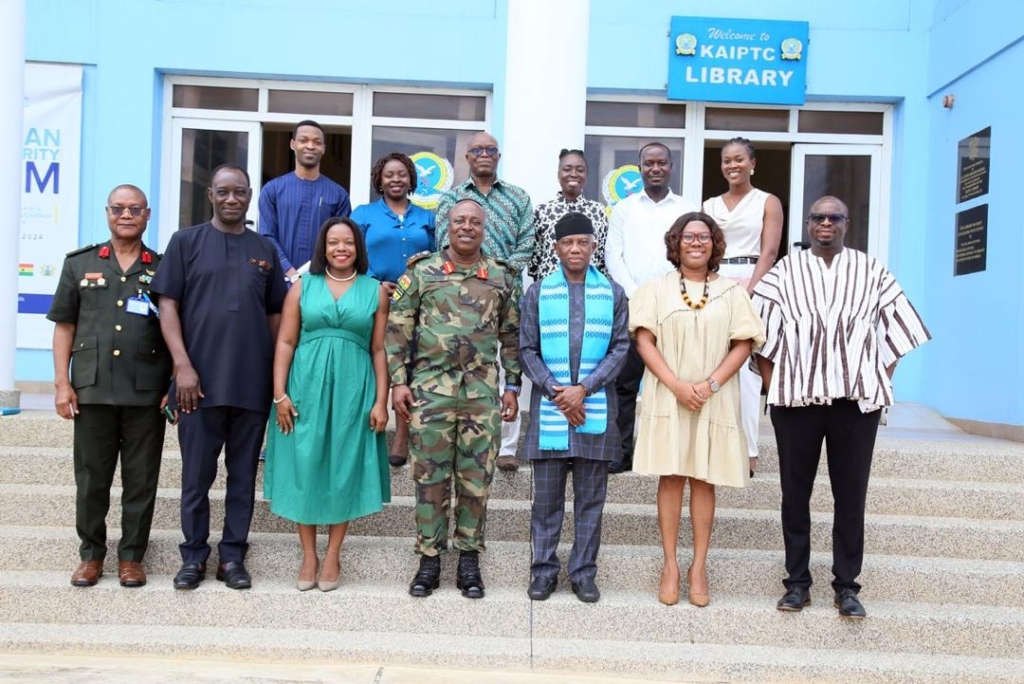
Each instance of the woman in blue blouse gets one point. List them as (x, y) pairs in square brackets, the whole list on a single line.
[(394, 229)]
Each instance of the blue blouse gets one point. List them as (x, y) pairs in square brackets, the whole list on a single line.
[(391, 240)]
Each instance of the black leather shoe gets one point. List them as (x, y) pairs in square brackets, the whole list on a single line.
[(586, 590), (234, 575), (428, 577), (794, 600), (849, 605), (190, 575), (541, 588), (468, 578)]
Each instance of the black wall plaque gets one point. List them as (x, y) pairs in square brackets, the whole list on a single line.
[(973, 165), (971, 240)]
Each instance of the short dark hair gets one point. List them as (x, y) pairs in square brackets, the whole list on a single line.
[(377, 172), (674, 236), (230, 167), (308, 122), (566, 152), (640, 154), (742, 141), (318, 264)]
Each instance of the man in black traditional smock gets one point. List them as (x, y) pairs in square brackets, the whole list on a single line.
[(107, 331), (573, 341), (221, 291)]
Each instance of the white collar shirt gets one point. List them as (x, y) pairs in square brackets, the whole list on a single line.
[(635, 249)]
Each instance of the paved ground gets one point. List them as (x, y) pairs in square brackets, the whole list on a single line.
[(57, 669)]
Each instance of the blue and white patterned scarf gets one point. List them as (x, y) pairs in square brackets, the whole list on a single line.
[(553, 309)]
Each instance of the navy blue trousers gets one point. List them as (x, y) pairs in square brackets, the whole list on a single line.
[(203, 434)]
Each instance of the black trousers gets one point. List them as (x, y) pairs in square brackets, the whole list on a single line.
[(849, 438), (102, 433), (203, 433), (627, 384)]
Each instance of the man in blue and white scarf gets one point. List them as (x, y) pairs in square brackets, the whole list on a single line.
[(573, 340)]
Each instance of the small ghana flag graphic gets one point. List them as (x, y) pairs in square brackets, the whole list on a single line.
[(25, 269)]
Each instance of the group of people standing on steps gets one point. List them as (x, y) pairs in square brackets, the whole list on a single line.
[(234, 330)]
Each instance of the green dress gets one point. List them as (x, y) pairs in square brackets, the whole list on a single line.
[(332, 468)]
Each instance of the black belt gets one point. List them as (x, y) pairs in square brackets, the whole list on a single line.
[(740, 260)]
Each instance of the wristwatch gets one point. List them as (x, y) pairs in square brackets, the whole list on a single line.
[(513, 388), (713, 384)]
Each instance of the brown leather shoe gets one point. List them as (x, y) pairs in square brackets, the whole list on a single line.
[(508, 463), (87, 573), (132, 574)]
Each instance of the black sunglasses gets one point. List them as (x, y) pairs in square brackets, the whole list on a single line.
[(832, 218)]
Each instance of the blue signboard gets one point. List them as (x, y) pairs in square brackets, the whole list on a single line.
[(737, 60)]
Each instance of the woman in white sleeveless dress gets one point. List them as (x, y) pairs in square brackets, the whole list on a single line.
[(752, 222)]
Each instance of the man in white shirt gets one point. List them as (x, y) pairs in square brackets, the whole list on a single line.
[(634, 252)]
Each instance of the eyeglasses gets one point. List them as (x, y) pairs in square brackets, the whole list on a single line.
[(832, 218), (491, 151), (460, 221), (690, 238), (135, 210)]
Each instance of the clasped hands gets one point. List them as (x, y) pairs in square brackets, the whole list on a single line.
[(569, 400), (692, 395)]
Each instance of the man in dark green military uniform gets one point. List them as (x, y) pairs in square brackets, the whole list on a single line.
[(108, 333), (459, 305)]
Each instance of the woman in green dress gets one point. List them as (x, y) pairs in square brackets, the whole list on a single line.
[(327, 460)]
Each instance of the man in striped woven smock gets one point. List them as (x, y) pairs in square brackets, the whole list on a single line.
[(573, 340), (837, 324)]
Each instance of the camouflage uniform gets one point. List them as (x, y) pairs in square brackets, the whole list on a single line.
[(458, 317)]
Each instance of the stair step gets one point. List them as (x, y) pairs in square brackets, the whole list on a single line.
[(258, 653), (755, 573), (939, 498), (622, 524), (631, 618)]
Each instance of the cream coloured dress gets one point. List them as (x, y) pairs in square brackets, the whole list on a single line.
[(708, 444)]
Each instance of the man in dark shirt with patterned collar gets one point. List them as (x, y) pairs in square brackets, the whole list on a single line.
[(222, 288)]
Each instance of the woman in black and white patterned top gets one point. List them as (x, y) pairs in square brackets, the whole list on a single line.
[(572, 177)]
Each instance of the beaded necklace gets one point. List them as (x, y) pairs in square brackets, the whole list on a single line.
[(686, 297)]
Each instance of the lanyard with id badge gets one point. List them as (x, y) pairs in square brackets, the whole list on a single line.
[(141, 305)]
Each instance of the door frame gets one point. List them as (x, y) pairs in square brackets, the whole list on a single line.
[(878, 226), (172, 172)]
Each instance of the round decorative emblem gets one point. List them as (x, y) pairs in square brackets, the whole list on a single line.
[(620, 183), (686, 44), (434, 176), (792, 48)]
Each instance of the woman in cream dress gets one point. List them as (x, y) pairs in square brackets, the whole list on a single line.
[(752, 222), (694, 329)]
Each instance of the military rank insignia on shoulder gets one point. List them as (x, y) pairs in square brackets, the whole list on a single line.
[(402, 285), (80, 250), (417, 257)]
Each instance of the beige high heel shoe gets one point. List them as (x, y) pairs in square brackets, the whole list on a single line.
[(670, 596), (699, 600), (306, 585)]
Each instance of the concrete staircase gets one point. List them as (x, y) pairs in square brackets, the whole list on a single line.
[(943, 581)]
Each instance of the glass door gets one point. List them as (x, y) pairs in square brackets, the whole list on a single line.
[(200, 146), (853, 174)]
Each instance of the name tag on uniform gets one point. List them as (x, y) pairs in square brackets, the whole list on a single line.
[(137, 305)]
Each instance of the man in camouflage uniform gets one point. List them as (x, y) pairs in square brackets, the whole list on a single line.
[(459, 305)]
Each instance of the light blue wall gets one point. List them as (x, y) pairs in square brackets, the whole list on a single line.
[(976, 371), (130, 46)]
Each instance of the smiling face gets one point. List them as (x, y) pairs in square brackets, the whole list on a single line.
[(230, 195), (121, 207), (483, 155), (655, 168), (572, 175), (737, 164), (308, 146), (341, 249), (466, 229), (695, 246), (826, 225), (395, 181)]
